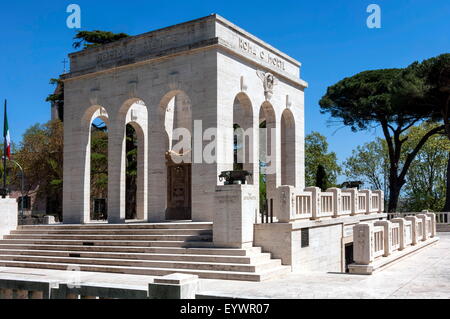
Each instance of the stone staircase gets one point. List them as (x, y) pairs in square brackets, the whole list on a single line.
[(143, 249)]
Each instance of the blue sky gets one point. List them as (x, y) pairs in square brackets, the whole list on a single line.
[(330, 38)]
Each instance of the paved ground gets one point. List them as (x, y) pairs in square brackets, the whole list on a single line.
[(423, 275)]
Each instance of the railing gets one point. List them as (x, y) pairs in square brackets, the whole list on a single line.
[(395, 236), (326, 205), (303, 206), (441, 217), (378, 235), (383, 238), (408, 233), (376, 202), (420, 232), (292, 204), (346, 208), (362, 208)]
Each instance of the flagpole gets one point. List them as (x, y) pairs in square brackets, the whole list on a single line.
[(4, 193)]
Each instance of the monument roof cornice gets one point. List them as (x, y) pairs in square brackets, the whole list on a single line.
[(214, 17), (212, 44)]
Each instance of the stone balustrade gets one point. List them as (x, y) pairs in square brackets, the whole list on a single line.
[(311, 203), (372, 242), (174, 286), (439, 218)]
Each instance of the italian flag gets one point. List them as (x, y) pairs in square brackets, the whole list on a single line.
[(7, 136)]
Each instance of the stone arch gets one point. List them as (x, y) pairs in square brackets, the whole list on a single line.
[(89, 116), (244, 134), (287, 148), (174, 112), (93, 112), (268, 136), (267, 153), (134, 112)]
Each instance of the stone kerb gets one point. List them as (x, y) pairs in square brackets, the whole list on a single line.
[(26, 289), (173, 286)]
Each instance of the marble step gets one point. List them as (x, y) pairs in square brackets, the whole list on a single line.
[(125, 243), (147, 256), (130, 249), (266, 265), (113, 237), (223, 275), (188, 225), (183, 232)]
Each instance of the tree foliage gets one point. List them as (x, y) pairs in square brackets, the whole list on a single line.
[(425, 186), (369, 163), (388, 98), (91, 39), (41, 156), (425, 182), (436, 75), (99, 164), (316, 153), (322, 178)]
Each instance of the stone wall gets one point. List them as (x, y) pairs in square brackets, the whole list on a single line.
[(325, 248), (8, 216)]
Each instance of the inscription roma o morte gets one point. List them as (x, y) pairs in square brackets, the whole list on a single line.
[(264, 55)]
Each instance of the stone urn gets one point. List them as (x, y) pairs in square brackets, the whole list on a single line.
[(234, 177)]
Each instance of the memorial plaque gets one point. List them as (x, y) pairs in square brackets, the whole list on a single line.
[(305, 237)]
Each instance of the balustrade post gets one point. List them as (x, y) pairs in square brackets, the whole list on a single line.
[(285, 203), (353, 201), (337, 201), (368, 194), (402, 231), (424, 219), (380, 200), (413, 220), (387, 225), (363, 243), (433, 223), (315, 201)]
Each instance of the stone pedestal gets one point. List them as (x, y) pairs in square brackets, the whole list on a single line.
[(235, 212), (363, 245), (8, 216), (174, 286)]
